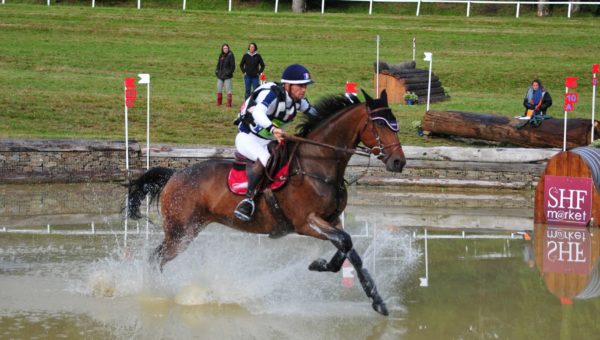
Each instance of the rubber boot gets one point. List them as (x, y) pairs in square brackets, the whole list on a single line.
[(229, 100), (245, 209), (219, 99)]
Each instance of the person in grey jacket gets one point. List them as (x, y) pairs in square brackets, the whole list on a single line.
[(224, 72)]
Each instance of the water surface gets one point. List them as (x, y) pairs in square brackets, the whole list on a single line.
[(450, 264)]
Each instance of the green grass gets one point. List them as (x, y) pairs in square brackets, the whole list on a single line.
[(62, 67)]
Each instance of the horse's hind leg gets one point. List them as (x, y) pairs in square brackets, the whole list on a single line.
[(319, 228), (177, 239)]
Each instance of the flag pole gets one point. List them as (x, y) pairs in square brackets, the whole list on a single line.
[(428, 57), (565, 125), (126, 135), (594, 83), (377, 70)]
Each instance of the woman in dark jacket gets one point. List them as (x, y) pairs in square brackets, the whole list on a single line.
[(537, 99), (224, 73), (252, 66)]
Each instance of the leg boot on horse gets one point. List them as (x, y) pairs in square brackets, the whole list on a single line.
[(245, 209)]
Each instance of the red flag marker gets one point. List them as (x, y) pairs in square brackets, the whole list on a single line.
[(262, 77), (130, 92), (351, 88), (595, 68), (571, 82)]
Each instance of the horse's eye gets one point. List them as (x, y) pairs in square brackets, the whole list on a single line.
[(379, 123)]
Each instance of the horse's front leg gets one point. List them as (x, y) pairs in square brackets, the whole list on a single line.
[(319, 228)]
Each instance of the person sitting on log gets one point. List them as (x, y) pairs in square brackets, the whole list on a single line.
[(537, 99)]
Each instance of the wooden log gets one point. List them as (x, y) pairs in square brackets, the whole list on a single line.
[(408, 72), (504, 129), (412, 78), (420, 86), (433, 98), (434, 91)]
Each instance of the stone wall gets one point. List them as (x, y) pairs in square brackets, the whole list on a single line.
[(65, 160), (85, 160)]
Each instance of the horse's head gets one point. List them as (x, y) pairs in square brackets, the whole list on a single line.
[(380, 133)]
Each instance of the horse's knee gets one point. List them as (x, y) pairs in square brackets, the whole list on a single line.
[(342, 241)]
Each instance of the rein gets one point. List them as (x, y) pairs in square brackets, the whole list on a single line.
[(366, 152)]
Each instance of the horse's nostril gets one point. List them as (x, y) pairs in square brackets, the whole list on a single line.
[(398, 164)]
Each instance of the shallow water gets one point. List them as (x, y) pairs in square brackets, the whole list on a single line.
[(450, 265)]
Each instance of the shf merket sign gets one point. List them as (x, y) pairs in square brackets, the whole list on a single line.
[(567, 200)]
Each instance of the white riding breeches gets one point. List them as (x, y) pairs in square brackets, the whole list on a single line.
[(253, 147)]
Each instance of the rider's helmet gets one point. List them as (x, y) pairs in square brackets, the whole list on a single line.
[(296, 74)]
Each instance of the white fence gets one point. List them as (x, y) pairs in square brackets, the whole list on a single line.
[(467, 3)]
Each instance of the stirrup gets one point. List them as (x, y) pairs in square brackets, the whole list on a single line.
[(244, 210)]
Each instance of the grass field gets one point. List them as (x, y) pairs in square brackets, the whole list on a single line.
[(62, 67)]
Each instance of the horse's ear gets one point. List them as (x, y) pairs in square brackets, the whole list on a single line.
[(368, 98), (383, 96)]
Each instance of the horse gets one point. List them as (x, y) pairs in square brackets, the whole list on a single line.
[(311, 201)]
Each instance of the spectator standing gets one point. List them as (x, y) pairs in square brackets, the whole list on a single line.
[(252, 66), (224, 73)]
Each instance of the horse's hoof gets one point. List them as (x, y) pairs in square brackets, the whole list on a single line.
[(319, 265), (380, 308)]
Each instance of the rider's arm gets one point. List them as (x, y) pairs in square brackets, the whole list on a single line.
[(266, 103), (307, 108)]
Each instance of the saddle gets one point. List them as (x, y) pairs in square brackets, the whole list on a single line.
[(277, 169)]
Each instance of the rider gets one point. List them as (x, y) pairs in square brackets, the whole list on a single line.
[(262, 119)]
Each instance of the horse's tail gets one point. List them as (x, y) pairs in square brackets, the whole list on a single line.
[(151, 182)]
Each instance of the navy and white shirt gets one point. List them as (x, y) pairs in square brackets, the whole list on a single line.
[(268, 109)]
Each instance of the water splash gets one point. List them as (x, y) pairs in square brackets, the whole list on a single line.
[(262, 276)]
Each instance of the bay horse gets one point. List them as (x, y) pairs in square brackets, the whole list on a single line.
[(311, 200)]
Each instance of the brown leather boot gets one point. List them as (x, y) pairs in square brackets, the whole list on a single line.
[(229, 100), (219, 99)]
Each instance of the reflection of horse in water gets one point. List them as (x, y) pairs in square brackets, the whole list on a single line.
[(311, 201)]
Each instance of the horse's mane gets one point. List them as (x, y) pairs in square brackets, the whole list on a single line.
[(325, 107)]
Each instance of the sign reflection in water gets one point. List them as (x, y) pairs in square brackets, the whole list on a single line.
[(568, 259)]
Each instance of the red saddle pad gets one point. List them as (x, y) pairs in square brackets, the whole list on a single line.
[(238, 182)]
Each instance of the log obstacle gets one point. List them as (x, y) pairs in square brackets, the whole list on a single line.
[(579, 163), (404, 77), (504, 129)]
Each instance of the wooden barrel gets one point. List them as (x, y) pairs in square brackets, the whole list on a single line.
[(582, 162)]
